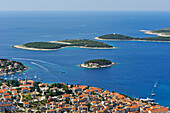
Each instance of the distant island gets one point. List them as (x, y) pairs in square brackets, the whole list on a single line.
[(11, 67), (97, 63), (163, 36), (160, 32), (55, 45)]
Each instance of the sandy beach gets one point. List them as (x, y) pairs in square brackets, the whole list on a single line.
[(23, 47), (158, 34)]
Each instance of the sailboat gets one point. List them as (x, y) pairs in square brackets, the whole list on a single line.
[(40, 79), (152, 94), (35, 77), (155, 85), (12, 75)]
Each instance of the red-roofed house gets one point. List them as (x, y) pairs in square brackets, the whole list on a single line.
[(27, 85), (50, 111), (26, 104), (25, 90)]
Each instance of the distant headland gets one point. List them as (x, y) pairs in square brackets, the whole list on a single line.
[(160, 32), (163, 36), (55, 45), (97, 63), (11, 67)]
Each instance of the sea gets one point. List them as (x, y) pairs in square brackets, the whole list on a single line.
[(140, 65)]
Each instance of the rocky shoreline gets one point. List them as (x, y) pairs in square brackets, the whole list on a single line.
[(36, 49), (104, 66)]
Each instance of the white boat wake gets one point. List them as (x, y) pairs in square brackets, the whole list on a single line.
[(42, 61), (40, 66), (35, 60)]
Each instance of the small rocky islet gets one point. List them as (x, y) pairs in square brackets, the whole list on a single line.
[(97, 63)]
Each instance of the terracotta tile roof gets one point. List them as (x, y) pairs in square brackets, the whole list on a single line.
[(26, 85), (1, 91), (73, 108), (7, 97), (5, 105), (13, 90), (50, 110), (26, 102), (62, 83), (3, 85), (93, 102), (42, 84), (6, 94), (84, 106), (163, 109), (25, 88), (15, 93), (66, 95)]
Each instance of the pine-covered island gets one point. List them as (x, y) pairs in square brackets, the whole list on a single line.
[(55, 45), (97, 63), (11, 67), (163, 36)]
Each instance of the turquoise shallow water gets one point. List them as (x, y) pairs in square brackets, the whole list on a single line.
[(140, 64)]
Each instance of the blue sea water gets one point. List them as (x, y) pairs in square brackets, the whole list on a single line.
[(140, 64)]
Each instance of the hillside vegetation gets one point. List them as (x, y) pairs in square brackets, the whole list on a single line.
[(99, 61), (73, 42), (124, 37)]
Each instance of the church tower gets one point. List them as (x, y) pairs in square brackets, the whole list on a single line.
[(25, 80)]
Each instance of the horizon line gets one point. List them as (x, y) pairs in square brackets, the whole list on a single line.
[(79, 10)]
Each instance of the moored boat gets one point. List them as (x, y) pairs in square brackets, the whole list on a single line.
[(147, 100)]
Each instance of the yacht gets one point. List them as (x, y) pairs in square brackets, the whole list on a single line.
[(147, 100), (35, 77), (40, 79), (152, 94), (12, 75)]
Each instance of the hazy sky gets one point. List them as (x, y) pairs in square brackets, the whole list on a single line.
[(84, 5)]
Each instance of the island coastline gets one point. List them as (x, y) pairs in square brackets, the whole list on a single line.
[(151, 33), (10, 73), (105, 66), (97, 38), (27, 48), (60, 42)]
